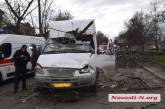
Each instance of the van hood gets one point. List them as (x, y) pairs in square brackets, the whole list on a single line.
[(66, 60)]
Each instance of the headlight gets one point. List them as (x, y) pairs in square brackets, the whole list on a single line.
[(87, 70), (39, 69)]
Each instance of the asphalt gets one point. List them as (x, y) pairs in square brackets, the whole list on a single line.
[(125, 80), (155, 71)]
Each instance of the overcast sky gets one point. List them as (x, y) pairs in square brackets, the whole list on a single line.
[(109, 15)]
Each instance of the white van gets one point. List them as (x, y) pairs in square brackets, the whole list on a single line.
[(68, 58), (9, 43)]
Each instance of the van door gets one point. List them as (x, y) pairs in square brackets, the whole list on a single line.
[(6, 63)]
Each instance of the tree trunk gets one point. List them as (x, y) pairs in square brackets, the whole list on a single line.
[(18, 26), (1, 20), (39, 16), (156, 45)]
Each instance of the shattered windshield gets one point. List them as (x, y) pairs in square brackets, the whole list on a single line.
[(66, 45)]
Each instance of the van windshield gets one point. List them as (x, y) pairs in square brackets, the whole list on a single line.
[(67, 45)]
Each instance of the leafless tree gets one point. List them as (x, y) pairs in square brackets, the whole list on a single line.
[(49, 12), (63, 15), (47, 9), (1, 17), (134, 35), (101, 38), (163, 15), (19, 9), (155, 15), (46, 13)]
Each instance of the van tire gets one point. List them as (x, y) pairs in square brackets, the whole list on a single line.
[(93, 88)]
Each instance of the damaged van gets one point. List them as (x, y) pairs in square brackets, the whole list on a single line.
[(68, 58)]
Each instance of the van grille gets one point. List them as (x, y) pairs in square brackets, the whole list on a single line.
[(61, 72)]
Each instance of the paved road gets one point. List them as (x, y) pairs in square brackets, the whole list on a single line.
[(83, 99), (107, 64)]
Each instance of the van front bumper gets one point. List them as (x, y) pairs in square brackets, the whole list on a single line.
[(77, 82)]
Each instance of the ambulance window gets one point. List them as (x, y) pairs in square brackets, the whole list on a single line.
[(6, 49)]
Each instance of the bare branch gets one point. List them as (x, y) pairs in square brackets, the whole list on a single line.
[(30, 12), (27, 8), (11, 8)]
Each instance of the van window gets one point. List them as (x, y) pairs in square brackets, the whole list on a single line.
[(5, 49), (57, 45)]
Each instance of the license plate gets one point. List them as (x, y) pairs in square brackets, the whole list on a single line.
[(61, 85)]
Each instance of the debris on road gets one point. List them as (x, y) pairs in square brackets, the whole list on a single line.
[(135, 79), (28, 97), (125, 80)]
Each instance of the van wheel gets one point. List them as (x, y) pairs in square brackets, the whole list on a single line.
[(101, 76), (93, 88)]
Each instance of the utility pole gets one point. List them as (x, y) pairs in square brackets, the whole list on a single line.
[(39, 16)]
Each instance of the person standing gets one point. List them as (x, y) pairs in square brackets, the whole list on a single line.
[(21, 58), (34, 56)]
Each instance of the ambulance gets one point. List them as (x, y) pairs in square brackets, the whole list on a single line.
[(9, 43)]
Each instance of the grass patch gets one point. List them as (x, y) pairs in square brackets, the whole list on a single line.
[(160, 60)]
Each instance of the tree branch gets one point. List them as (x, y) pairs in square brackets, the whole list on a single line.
[(27, 8), (30, 11), (11, 8)]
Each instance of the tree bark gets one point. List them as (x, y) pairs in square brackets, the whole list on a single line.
[(156, 45), (18, 26), (39, 16)]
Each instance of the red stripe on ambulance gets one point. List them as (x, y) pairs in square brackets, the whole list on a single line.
[(6, 61)]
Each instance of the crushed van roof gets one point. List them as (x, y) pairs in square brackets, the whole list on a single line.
[(58, 28)]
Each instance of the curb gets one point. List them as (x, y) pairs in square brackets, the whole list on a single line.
[(154, 73)]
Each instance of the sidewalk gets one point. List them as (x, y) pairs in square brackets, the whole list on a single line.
[(158, 72)]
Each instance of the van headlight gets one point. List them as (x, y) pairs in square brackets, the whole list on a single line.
[(87, 70), (84, 70), (39, 69)]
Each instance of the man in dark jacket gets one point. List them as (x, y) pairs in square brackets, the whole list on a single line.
[(21, 58)]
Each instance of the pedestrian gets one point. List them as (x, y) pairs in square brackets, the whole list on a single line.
[(39, 49), (34, 56), (21, 58)]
